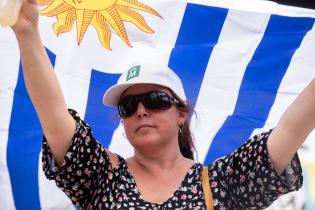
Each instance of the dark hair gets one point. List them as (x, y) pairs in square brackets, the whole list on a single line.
[(185, 139)]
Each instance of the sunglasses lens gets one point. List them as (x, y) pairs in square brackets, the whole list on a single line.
[(127, 106), (153, 101), (157, 100)]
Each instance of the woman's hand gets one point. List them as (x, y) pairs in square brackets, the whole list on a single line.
[(27, 19)]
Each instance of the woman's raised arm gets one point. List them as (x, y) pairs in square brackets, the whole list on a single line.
[(293, 128), (42, 84)]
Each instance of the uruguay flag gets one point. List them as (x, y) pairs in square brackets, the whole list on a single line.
[(242, 63)]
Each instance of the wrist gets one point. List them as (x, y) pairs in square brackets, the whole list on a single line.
[(30, 33)]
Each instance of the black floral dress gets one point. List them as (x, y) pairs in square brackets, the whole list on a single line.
[(243, 180)]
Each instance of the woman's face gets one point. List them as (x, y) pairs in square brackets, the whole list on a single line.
[(147, 129)]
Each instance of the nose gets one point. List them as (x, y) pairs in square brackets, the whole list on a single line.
[(141, 111)]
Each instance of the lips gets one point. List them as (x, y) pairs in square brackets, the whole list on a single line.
[(144, 126)]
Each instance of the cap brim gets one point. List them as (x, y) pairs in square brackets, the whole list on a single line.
[(112, 95)]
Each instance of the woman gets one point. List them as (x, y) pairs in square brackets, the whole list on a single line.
[(162, 173)]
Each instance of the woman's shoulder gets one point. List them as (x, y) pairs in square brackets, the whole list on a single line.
[(114, 158)]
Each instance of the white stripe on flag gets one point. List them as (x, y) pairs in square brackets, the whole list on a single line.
[(224, 74), (10, 61), (299, 73), (259, 6)]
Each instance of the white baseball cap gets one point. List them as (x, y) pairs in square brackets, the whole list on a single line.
[(145, 73)]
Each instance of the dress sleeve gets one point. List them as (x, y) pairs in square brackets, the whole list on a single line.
[(85, 163), (246, 179)]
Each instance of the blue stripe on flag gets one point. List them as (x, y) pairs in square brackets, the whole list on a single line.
[(199, 33), (104, 120), (260, 83), (24, 145)]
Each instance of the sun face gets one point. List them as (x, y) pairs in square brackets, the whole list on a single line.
[(101, 14)]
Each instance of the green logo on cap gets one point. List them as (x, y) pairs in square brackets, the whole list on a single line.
[(133, 72)]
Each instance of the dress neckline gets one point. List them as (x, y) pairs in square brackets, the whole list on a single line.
[(195, 167)]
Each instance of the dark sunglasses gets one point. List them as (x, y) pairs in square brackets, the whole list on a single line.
[(155, 100)]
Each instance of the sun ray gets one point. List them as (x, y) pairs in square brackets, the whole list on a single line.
[(65, 22), (55, 9), (106, 16), (137, 5), (83, 20), (104, 34), (133, 17), (43, 2), (112, 16)]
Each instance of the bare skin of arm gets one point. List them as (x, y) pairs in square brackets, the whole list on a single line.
[(43, 86), (295, 125)]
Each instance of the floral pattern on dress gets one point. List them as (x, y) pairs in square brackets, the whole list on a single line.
[(242, 180), (246, 179)]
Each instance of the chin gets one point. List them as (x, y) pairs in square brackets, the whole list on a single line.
[(145, 142)]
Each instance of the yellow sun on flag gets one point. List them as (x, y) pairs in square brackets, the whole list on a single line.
[(101, 14)]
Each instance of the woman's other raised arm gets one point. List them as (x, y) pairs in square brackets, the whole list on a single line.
[(293, 128), (42, 84)]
